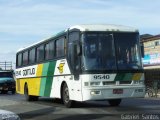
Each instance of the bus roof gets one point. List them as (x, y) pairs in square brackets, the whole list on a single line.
[(104, 27), (89, 27)]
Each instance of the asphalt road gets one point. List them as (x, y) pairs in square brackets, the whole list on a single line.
[(49, 109)]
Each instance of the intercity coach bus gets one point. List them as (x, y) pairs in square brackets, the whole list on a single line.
[(82, 63)]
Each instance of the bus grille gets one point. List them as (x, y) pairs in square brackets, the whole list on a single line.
[(125, 82), (109, 82)]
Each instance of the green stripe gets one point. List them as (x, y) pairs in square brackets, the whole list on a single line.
[(128, 77), (119, 76), (45, 69), (43, 79), (49, 80), (42, 86), (123, 77), (46, 81)]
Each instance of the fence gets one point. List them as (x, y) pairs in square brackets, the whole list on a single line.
[(6, 65), (152, 79)]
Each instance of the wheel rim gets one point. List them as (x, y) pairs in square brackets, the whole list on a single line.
[(66, 95)]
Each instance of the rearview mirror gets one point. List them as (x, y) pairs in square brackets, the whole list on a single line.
[(142, 50), (79, 49)]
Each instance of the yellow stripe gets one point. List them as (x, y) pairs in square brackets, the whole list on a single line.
[(137, 76), (39, 74), (39, 70), (33, 83), (20, 86)]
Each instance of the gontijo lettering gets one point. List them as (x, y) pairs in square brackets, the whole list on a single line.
[(27, 72)]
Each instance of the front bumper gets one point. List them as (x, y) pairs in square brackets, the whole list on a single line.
[(107, 93)]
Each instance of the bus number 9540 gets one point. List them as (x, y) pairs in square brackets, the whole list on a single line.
[(101, 76)]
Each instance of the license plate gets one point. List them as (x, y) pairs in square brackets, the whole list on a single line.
[(117, 91)]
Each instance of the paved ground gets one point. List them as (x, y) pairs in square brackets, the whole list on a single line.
[(48, 109)]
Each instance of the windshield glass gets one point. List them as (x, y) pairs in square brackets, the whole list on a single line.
[(6, 74), (127, 51), (111, 51), (99, 52)]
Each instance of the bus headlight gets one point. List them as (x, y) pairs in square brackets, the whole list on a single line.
[(94, 83), (95, 92)]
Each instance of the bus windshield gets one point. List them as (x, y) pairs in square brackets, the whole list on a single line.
[(111, 51)]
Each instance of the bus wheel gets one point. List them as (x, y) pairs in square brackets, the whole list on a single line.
[(65, 97), (27, 96), (114, 102)]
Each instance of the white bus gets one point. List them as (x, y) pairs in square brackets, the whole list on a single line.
[(82, 63)]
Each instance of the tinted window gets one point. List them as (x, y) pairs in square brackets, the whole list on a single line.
[(6, 74), (19, 59), (127, 50), (99, 53), (106, 51), (60, 47), (49, 50), (32, 56), (73, 36), (40, 53), (25, 58)]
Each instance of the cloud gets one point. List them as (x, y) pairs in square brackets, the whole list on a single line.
[(41, 17), (24, 22)]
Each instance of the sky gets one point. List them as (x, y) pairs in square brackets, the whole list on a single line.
[(24, 22)]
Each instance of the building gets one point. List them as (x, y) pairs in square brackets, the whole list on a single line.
[(151, 51), (151, 59)]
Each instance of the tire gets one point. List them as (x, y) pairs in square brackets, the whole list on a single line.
[(35, 98), (27, 96), (65, 97), (13, 92), (114, 102)]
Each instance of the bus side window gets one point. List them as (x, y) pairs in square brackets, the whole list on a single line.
[(73, 36), (40, 53), (60, 47), (49, 50), (32, 56), (19, 59), (46, 49), (73, 40), (25, 58)]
